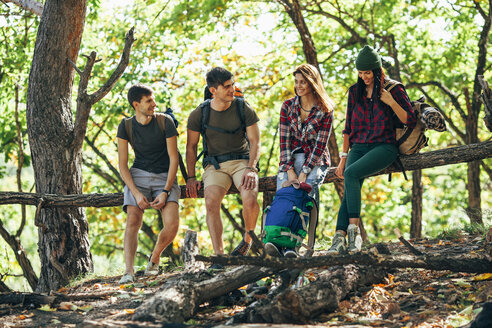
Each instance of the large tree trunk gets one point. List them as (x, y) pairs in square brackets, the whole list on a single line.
[(473, 171), (473, 183), (416, 220), (63, 232)]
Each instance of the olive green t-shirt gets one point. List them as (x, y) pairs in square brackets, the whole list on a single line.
[(223, 143)]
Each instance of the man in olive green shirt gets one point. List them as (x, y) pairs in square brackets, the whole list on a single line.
[(230, 157)]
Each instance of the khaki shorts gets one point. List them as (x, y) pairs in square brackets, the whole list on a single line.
[(229, 172)]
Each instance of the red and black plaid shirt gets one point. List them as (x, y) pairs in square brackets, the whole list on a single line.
[(371, 122), (311, 137)]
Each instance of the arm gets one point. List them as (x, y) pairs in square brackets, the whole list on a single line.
[(250, 176), (343, 159), (400, 104), (172, 150), (346, 136), (192, 185), (142, 201)]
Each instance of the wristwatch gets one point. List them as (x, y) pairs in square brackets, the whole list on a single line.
[(306, 169), (166, 191)]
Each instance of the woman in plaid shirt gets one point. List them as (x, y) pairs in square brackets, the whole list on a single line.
[(305, 126), (371, 137)]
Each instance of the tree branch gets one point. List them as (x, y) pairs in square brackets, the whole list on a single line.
[(451, 95), (20, 160), (30, 5), (447, 156), (85, 101), (21, 256), (125, 59), (104, 158)]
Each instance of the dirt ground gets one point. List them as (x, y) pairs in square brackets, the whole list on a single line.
[(406, 298)]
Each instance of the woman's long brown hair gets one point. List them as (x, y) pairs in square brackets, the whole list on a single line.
[(313, 77)]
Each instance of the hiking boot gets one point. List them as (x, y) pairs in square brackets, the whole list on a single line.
[(152, 269), (338, 244), (354, 238), (242, 249), (127, 278), (290, 253), (272, 250)]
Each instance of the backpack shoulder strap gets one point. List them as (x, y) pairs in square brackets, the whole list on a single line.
[(161, 121), (240, 112), (390, 84), (205, 116), (129, 129)]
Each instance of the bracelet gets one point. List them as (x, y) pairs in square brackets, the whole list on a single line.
[(343, 154), (166, 191), (192, 177)]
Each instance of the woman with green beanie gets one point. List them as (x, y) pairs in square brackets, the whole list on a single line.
[(371, 138)]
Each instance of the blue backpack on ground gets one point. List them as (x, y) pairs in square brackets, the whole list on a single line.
[(292, 215)]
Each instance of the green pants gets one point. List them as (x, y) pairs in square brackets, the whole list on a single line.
[(363, 160)]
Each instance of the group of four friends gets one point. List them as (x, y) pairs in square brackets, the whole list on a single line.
[(232, 156)]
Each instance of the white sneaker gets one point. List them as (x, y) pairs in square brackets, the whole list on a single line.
[(127, 278), (290, 253), (354, 238), (152, 269)]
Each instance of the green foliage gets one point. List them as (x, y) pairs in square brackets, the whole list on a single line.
[(179, 41)]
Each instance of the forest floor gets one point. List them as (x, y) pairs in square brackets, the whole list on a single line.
[(406, 298)]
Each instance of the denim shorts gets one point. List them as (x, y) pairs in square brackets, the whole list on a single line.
[(315, 178), (151, 185)]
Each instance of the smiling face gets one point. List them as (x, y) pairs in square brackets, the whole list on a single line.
[(146, 105), (302, 86), (224, 92), (367, 77)]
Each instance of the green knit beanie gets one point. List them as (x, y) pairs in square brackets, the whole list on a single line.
[(368, 59)]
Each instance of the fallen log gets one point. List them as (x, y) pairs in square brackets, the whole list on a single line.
[(36, 299), (177, 300), (26, 299), (302, 304), (456, 263), (447, 156)]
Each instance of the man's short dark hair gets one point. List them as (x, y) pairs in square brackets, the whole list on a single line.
[(218, 76), (137, 91)]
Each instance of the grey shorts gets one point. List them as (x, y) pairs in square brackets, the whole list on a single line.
[(151, 185)]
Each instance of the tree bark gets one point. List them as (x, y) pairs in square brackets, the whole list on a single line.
[(63, 234), (473, 182), (302, 304), (190, 250), (178, 298), (486, 98), (416, 221)]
